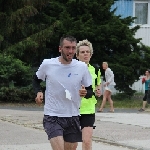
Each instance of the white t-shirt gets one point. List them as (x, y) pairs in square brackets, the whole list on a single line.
[(109, 75), (60, 77)]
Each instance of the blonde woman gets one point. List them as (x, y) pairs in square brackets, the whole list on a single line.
[(87, 108), (109, 85)]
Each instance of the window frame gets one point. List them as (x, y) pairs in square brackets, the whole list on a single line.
[(148, 17)]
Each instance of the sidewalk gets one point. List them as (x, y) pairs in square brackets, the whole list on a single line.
[(21, 129), (130, 130)]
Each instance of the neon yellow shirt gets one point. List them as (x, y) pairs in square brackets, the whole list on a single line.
[(88, 105)]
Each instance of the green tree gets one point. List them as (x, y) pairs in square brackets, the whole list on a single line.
[(13, 72), (112, 39), (15, 80), (23, 31), (28, 27), (23, 37)]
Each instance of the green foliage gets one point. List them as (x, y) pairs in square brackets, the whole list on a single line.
[(17, 95), (28, 27), (33, 42), (22, 43), (23, 31), (121, 96), (112, 38), (14, 70)]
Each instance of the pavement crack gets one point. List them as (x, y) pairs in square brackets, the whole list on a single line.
[(106, 141)]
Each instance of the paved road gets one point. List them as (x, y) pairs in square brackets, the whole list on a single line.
[(21, 129)]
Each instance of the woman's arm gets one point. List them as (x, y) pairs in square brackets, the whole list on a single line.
[(111, 76)]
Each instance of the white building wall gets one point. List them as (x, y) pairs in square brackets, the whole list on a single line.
[(144, 33), (138, 86)]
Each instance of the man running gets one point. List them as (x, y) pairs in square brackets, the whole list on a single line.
[(67, 80)]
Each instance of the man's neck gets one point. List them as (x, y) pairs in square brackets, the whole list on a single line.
[(63, 61)]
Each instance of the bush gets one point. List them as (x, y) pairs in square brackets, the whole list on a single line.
[(17, 94), (14, 71)]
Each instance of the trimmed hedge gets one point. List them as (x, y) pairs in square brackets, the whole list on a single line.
[(17, 94)]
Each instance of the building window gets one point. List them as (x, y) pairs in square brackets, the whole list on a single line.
[(142, 12)]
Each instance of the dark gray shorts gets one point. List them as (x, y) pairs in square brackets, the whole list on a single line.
[(68, 127)]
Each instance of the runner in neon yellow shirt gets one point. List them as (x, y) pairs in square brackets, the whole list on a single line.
[(87, 108)]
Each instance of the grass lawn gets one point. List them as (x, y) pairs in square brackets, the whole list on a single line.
[(124, 102)]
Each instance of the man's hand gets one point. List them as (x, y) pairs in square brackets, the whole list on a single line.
[(98, 92), (82, 91), (39, 98)]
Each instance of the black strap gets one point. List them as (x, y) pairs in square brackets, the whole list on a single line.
[(96, 66), (89, 92)]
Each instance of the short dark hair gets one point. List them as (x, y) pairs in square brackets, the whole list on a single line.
[(68, 38), (148, 70)]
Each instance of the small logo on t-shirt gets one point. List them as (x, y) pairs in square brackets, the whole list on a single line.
[(69, 74)]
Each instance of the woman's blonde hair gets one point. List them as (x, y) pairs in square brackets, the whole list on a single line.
[(106, 63), (84, 43)]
